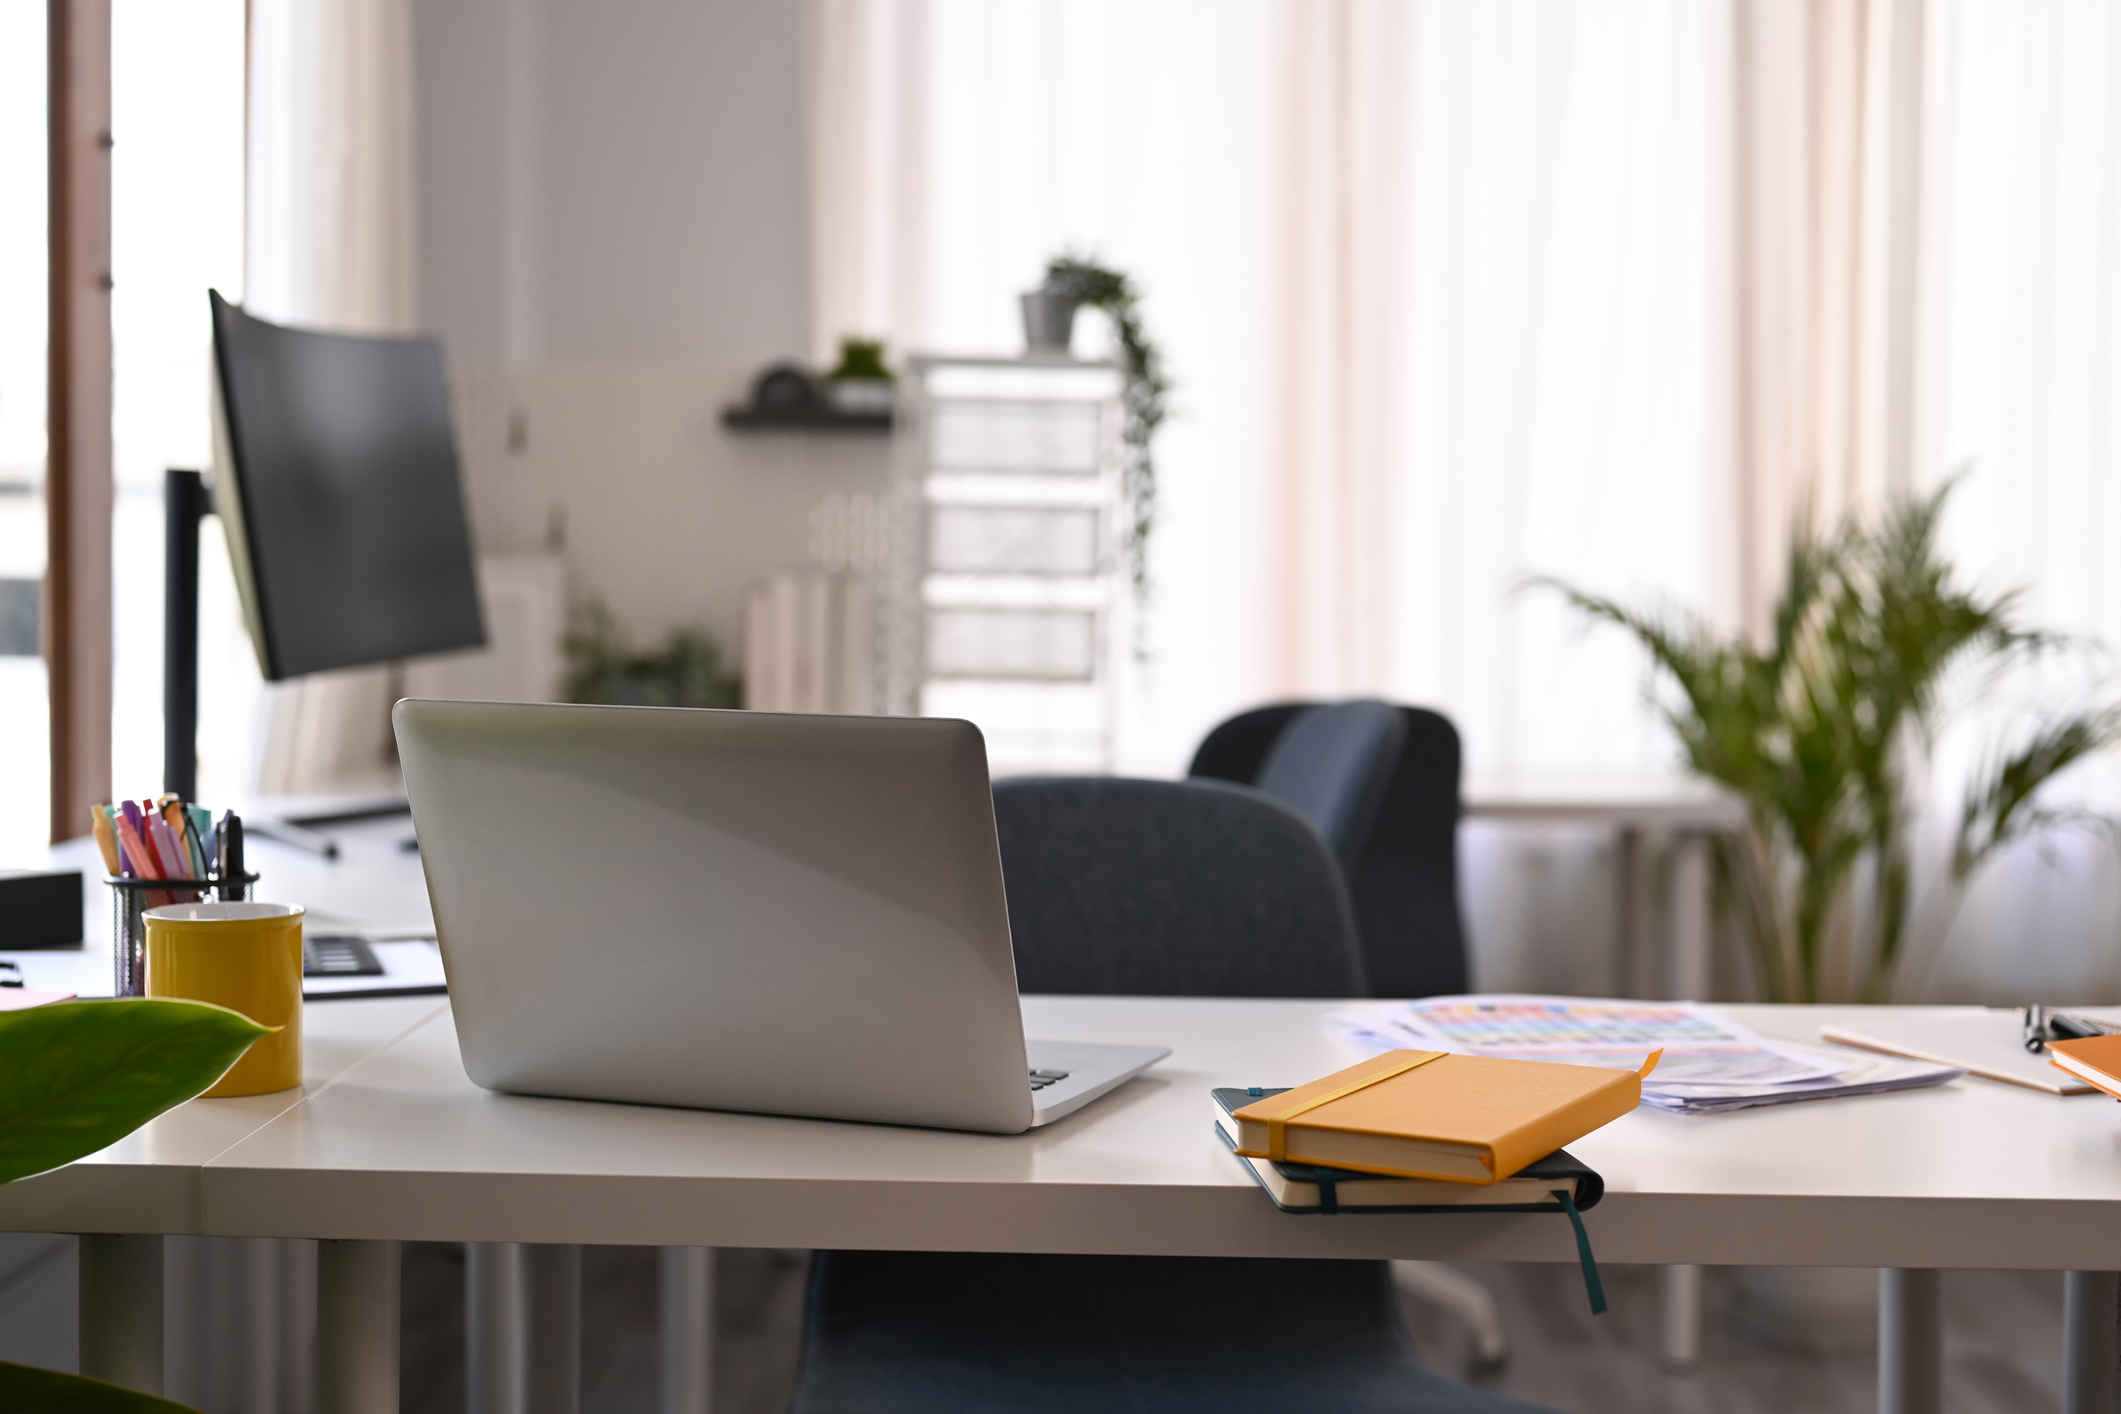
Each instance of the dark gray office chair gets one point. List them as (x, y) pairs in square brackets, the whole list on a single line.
[(1169, 888), (1404, 880), (1332, 764), (947, 1332), (1202, 886)]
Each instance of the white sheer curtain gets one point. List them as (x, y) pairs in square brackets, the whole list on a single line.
[(332, 239), (2020, 388), (331, 244), (1446, 288), (1459, 291), (1442, 285)]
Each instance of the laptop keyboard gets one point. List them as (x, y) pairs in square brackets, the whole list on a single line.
[(1040, 1079)]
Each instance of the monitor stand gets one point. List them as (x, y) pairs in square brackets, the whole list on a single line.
[(186, 503), (306, 823)]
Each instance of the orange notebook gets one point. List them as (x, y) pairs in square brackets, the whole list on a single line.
[(2095, 1060), (1428, 1114)]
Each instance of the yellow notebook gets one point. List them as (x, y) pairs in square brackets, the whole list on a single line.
[(1428, 1114)]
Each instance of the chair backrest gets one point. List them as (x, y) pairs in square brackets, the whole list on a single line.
[(1405, 881), (1332, 765), (1170, 888), (1405, 885), (1237, 748)]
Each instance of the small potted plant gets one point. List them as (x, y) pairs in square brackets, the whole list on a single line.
[(862, 383), (604, 666)]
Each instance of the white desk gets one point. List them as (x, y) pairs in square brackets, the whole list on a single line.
[(402, 1144), (150, 1181), (389, 1140), (399, 1144), (1690, 808)]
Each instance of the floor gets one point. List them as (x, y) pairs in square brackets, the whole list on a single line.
[(2003, 1348), (2002, 1340), (758, 1317)]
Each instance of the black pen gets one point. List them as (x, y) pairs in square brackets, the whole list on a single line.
[(2045, 1023), (228, 840)]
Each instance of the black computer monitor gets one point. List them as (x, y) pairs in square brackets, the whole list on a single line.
[(338, 481)]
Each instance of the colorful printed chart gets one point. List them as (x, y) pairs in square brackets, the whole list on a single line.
[(1700, 1047)]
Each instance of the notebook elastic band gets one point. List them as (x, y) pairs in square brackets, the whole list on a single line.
[(1592, 1286), (1277, 1134)]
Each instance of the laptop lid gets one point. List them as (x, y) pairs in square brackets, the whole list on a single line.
[(734, 910)]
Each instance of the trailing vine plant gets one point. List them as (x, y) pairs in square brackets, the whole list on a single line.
[(1142, 403)]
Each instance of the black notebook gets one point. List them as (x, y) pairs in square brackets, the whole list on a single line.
[(1311, 1188)]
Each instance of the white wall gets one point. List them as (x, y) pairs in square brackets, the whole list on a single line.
[(614, 235), (660, 510)]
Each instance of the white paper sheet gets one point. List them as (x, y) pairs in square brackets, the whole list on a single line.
[(1701, 1046)]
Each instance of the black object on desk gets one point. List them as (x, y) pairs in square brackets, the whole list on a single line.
[(131, 897), (40, 910), (2047, 1023), (324, 846), (339, 955)]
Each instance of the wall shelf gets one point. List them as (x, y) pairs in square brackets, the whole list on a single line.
[(756, 419)]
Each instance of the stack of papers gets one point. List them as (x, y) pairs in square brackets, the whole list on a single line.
[(1710, 1062)]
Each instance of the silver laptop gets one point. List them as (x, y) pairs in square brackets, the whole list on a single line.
[(732, 910)]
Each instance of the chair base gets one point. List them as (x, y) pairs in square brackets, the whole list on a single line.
[(931, 1333)]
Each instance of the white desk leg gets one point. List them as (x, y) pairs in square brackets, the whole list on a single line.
[(357, 1327), (1679, 1298), (2089, 1301), (1910, 1341), (1687, 963), (687, 1343), (555, 1306), (523, 1328), (121, 1310), (496, 1329), (262, 1294), (1686, 976)]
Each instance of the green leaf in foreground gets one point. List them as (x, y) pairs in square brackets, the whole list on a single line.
[(82, 1075), (49, 1392)]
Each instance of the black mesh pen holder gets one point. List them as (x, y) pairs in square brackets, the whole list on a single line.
[(129, 901)]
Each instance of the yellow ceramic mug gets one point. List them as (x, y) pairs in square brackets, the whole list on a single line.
[(248, 958)]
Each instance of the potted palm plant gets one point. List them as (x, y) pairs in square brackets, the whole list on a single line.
[(1826, 729), (1877, 644)]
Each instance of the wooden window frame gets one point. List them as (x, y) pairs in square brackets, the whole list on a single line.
[(78, 487)]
